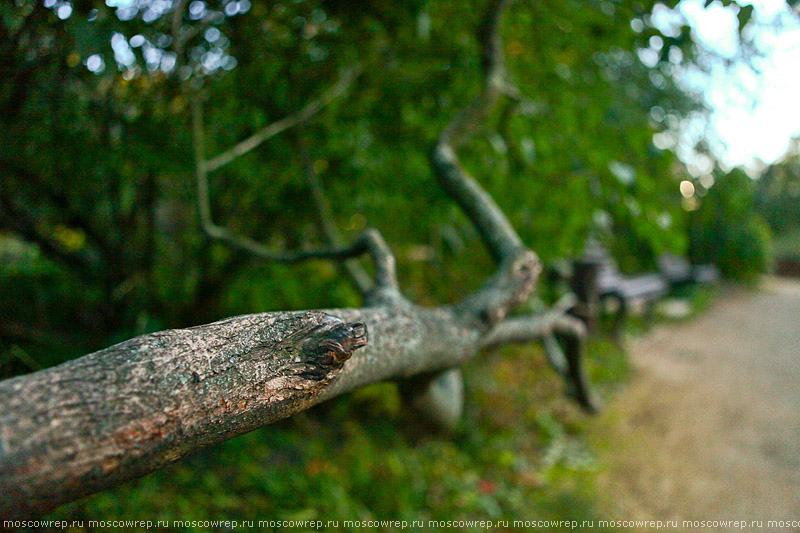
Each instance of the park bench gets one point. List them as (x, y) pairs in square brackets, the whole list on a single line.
[(678, 271), (596, 279)]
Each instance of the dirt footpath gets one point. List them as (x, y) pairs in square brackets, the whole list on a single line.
[(709, 428)]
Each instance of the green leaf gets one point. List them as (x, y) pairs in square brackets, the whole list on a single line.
[(744, 16)]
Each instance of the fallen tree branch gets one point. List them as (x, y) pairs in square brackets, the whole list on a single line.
[(519, 267), (122, 412)]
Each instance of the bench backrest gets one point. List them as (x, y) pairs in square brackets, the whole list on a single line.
[(674, 268)]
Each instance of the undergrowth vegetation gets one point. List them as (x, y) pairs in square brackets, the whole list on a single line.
[(519, 454)]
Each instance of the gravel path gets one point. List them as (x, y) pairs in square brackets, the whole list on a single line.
[(709, 428)]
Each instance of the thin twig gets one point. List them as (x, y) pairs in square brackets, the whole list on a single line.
[(489, 220), (529, 327), (176, 19), (370, 241), (83, 263), (311, 109), (73, 217), (325, 218)]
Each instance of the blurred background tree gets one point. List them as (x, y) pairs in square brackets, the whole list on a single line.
[(777, 199), (727, 231)]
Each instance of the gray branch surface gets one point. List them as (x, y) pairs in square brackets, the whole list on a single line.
[(127, 410)]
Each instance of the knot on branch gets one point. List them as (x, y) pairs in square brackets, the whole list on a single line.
[(524, 269), (333, 345), (510, 286), (516, 282), (322, 350)]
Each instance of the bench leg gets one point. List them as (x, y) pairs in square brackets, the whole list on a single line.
[(569, 363), (620, 317)]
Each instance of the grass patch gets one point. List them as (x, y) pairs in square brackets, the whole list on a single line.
[(519, 454)]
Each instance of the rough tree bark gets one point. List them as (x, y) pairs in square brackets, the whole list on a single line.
[(127, 410)]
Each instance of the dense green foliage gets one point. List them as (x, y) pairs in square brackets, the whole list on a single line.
[(778, 192), (100, 241), (778, 201), (97, 164)]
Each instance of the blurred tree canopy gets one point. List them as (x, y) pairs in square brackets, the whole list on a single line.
[(777, 200), (778, 192), (727, 231), (100, 236)]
